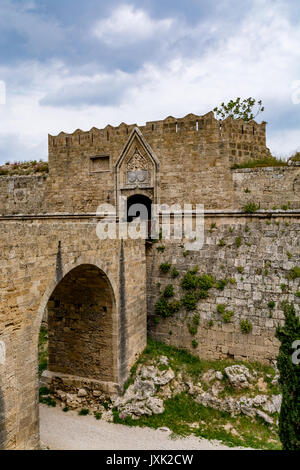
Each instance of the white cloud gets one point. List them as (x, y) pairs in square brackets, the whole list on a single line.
[(259, 58), (128, 25), (39, 33)]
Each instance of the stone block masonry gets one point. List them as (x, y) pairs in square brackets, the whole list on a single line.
[(83, 301), (97, 293), (193, 155), (252, 257)]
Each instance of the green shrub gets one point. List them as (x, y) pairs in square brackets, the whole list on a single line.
[(83, 412), (98, 415), (175, 273), (156, 320), (246, 326), (271, 304), (162, 308), (221, 308), (227, 316), (283, 287), (43, 391), (206, 282), (221, 284), (48, 401), (175, 306), (250, 208), (294, 273), (298, 293), (196, 320), (161, 249), (201, 294), (195, 344), (165, 268), (166, 309), (190, 301), (289, 419), (168, 292), (238, 242), (193, 330), (190, 281), (240, 269), (221, 242), (65, 409), (210, 323)]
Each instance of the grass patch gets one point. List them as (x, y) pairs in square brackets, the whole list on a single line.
[(261, 163), (181, 411), (251, 208), (165, 268), (24, 168), (246, 327)]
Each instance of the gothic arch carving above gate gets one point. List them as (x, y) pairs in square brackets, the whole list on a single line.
[(137, 169)]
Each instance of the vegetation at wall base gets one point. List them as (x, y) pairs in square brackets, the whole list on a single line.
[(182, 412)]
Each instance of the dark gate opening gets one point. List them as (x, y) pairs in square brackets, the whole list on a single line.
[(140, 206)]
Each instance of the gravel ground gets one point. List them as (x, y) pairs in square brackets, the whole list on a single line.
[(68, 431)]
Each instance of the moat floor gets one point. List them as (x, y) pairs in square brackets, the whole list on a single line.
[(68, 431)]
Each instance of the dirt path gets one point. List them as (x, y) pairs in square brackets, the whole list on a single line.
[(68, 431)]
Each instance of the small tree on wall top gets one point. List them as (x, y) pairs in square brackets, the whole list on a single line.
[(247, 109), (289, 368)]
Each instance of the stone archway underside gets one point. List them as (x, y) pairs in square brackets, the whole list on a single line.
[(81, 323)]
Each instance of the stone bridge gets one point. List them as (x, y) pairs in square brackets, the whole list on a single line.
[(95, 294)]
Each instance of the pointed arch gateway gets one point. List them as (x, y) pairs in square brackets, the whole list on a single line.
[(137, 170), (82, 327)]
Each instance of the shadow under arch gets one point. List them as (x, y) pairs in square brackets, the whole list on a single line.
[(102, 272), (81, 314)]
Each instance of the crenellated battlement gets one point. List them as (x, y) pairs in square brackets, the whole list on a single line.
[(229, 129)]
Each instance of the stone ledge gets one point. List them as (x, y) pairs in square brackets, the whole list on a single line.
[(79, 382), (207, 213)]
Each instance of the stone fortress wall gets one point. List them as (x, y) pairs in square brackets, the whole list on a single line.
[(48, 229), (251, 259), (189, 160), (194, 154)]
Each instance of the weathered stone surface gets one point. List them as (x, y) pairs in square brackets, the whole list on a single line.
[(239, 376), (159, 377), (184, 160), (219, 375)]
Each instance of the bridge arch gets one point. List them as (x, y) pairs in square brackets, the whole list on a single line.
[(81, 326)]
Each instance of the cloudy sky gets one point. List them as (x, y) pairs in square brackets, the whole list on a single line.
[(71, 64)]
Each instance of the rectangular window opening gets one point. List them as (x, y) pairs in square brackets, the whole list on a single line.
[(99, 164)]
